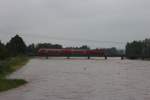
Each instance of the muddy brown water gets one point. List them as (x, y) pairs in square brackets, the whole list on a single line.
[(82, 79)]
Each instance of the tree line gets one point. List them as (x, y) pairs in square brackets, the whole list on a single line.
[(16, 46), (138, 49)]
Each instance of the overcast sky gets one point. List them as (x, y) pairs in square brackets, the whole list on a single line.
[(81, 20)]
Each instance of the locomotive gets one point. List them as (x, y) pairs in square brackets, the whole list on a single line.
[(44, 52)]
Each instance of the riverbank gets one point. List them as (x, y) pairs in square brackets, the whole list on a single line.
[(7, 67)]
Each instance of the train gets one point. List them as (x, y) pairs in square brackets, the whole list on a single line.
[(44, 52)]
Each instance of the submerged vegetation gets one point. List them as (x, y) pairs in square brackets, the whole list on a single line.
[(6, 84), (12, 64), (7, 67)]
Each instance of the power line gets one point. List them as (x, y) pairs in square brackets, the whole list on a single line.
[(72, 39)]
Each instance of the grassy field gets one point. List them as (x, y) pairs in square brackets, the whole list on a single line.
[(7, 67)]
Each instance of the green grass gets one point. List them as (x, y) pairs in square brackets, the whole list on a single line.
[(12, 64), (6, 84), (17, 62), (7, 67)]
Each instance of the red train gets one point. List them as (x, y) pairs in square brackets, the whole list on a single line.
[(71, 52)]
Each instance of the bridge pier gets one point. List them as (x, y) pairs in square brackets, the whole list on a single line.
[(105, 57), (88, 57), (47, 57), (68, 57), (122, 57)]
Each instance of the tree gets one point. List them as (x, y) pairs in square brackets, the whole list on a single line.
[(3, 51), (16, 46), (84, 47), (31, 50), (134, 49), (112, 51), (48, 46), (146, 48)]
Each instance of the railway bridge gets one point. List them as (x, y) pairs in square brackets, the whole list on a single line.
[(44, 52)]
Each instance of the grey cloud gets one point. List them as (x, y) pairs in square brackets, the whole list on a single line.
[(103, 20)]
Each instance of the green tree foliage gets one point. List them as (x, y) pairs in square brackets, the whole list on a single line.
[(49, 46), (81, 47), (3, 51), (146, 48), (134, 49), (114, 52), (16, 46), (31, 50), (84, 47), (111, 51)]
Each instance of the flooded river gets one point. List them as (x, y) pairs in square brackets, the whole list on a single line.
[(82, 79)]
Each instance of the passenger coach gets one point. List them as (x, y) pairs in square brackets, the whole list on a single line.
[(71, 53)]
